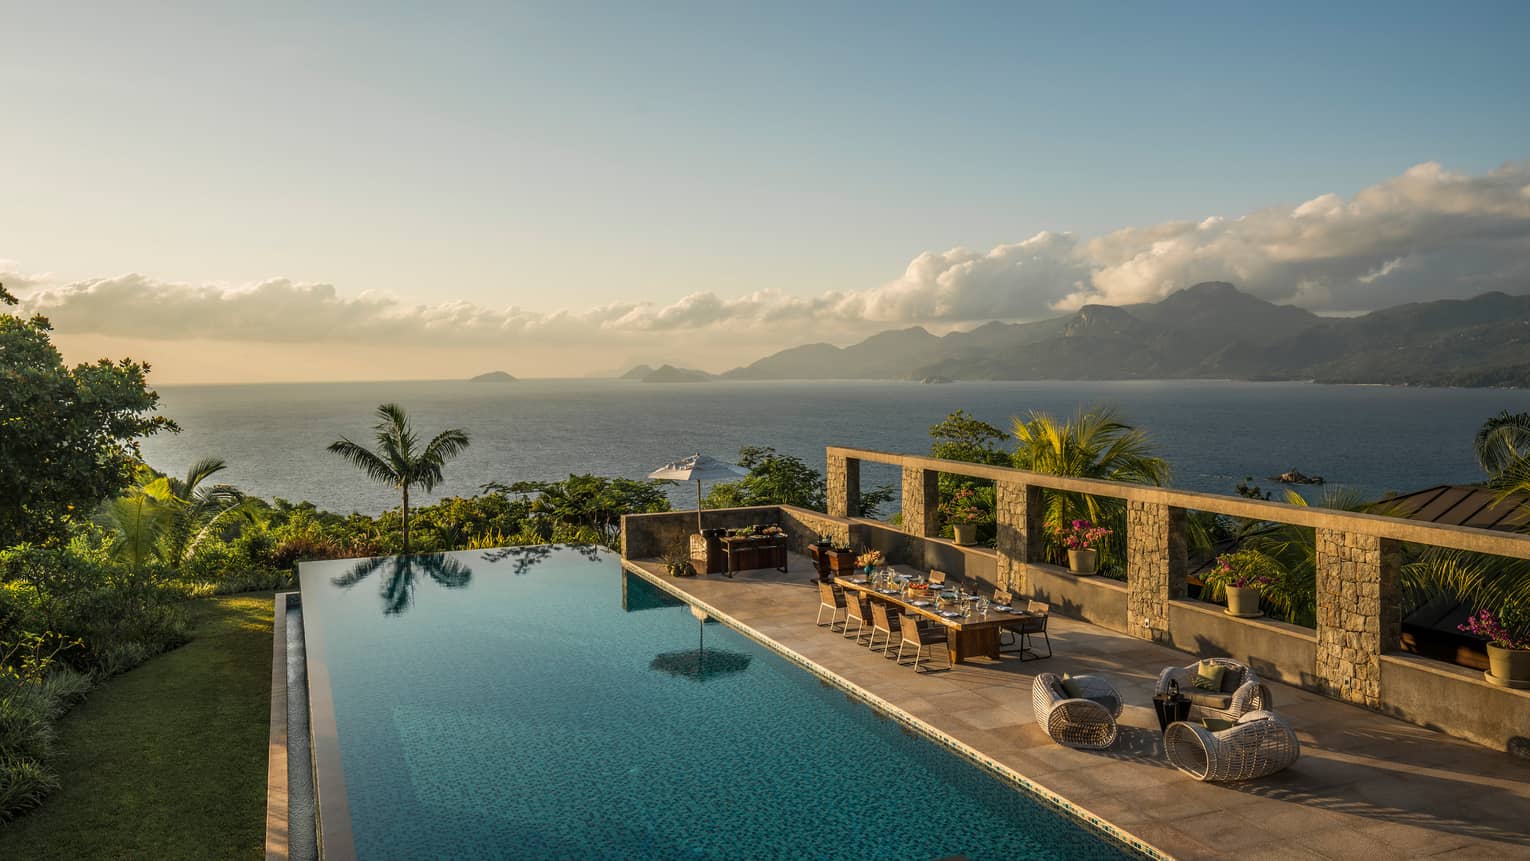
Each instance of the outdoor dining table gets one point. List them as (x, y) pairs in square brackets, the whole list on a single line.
[(971, 636)]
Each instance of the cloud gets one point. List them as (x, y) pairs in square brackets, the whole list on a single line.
[(1428, 233)]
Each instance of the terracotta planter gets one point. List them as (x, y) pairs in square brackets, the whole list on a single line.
[(1083, 562), (1509, 668), (966, 533), (1242, 601), (842, 562)]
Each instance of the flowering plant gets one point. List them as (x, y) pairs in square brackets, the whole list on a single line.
[(1499, 630), (1080, 535), (1246, 569), (962, 508), (870, 559)]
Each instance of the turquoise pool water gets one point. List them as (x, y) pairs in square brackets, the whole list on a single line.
[(540, 703)]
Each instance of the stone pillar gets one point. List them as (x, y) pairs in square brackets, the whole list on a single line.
[(1021, 539), (1359, 612), (921, 501), (843, 483), (1155, 567)]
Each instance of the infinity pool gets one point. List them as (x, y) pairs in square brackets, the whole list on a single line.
[(541, 703)]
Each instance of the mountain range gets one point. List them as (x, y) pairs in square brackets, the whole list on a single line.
[(1209, 330)]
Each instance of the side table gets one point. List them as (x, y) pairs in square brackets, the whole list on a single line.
[(1170, 708)]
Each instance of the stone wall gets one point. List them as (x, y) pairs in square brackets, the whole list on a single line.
[(842, 481), (921, 501), (1359, 613), (1017, 516), (1155, 567)]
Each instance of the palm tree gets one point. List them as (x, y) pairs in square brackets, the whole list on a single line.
[(1503, 441), (139, 520), (1095, 443), (398, 461), (197, 509)]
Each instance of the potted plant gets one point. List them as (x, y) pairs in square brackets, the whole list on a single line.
[(678, 562), (963, 513), (869, 560), (1243, 576), (1508, 647), (1082, 540)]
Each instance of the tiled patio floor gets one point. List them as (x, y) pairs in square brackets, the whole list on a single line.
[(1365, 786)]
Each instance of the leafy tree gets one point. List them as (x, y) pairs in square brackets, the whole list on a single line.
[(961, 437), (783, 479), (399, 461), (1095, 443), (590, 502), (68, 437)]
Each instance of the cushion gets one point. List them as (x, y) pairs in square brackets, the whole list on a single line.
[(1208, 676), (1073, 688), (1059, 691), (1210, 699), (1216, 724), (1231, 680)]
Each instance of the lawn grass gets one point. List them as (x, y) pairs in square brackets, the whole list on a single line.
[(167, 761)]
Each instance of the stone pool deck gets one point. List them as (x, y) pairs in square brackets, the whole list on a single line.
[(1365, 786)]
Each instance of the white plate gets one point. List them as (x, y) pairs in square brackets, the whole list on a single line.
[(921, 603), (949, 614)]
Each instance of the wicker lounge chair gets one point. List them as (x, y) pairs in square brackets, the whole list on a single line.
[(1241, 690), (1259, 744), (1086, 721), (832, 600)]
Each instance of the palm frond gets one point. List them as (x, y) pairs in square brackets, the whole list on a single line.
[(366, 460)]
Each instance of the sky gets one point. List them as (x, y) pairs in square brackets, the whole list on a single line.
[(260, 192)]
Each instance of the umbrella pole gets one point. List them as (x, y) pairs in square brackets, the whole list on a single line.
[(698, 506)]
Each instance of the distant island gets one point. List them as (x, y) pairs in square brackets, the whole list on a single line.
[(672, 374), (1210, 330), (493, 377), (640, 372)]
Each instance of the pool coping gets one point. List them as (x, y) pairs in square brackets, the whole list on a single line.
[(1075, 812), (332, 806), (278, 822)]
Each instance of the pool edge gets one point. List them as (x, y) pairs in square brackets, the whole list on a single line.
[(278, 827), (1075, 812)]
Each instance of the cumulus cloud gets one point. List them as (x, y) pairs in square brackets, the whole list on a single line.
[(1428, 233)]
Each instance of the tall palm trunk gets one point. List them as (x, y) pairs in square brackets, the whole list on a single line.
[(406, 519)]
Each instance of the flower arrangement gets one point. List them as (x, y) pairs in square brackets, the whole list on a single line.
[(1245, 569), (1080, 535), (962, 508), (1502, 630), (870, 559)]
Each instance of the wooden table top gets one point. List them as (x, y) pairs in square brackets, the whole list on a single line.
[(993, 619)]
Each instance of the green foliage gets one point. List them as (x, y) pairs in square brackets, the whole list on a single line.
[(399, 461), (587, 505), (1501, 442), (68, 437), (783, 479), (961, 437), (1095, 443)]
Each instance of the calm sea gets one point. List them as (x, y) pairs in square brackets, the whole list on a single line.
[(273, 436)]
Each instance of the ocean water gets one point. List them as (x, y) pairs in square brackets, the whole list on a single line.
[(537, 702), (1374, 438)]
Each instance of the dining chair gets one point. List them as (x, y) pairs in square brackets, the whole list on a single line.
[(922, 637), (856, 613), (885, 620), (832, 599)]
